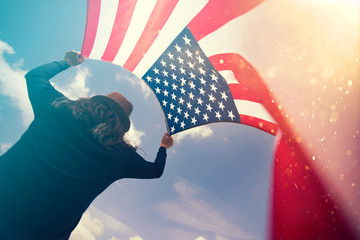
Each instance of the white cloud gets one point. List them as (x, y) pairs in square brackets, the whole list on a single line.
[(131, 238), (191, 211), (200, 238), (114, 238), (94, 223), (135, 81), (13, 85), (112, 224), (217, 237), (88, 228), (133, 136), (5, 146), (77, 87), (195, 133), (135, 238)]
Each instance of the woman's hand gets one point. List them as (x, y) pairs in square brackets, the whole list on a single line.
[(73, 58), (167, 141)]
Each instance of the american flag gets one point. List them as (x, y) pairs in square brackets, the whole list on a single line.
[(163, 43), (188, 87)]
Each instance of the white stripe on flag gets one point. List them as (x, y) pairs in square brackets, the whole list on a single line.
[(137, 25), (183, 13), (225, 39), (253, 109), (229, 77), (107, 16)]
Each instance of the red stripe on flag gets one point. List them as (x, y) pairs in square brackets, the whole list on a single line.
[(123, 17), (157, 20), (92, 20), (302, 208), (240, 92), (216, 13)]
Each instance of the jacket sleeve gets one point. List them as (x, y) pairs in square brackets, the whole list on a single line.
[(41, 92), (138, 167)]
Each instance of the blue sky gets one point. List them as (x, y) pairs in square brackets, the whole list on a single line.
[(217, 178)]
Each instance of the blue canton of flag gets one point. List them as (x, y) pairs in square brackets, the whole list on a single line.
[(189, 89)]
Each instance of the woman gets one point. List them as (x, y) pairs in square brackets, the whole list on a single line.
[(71, 152)]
